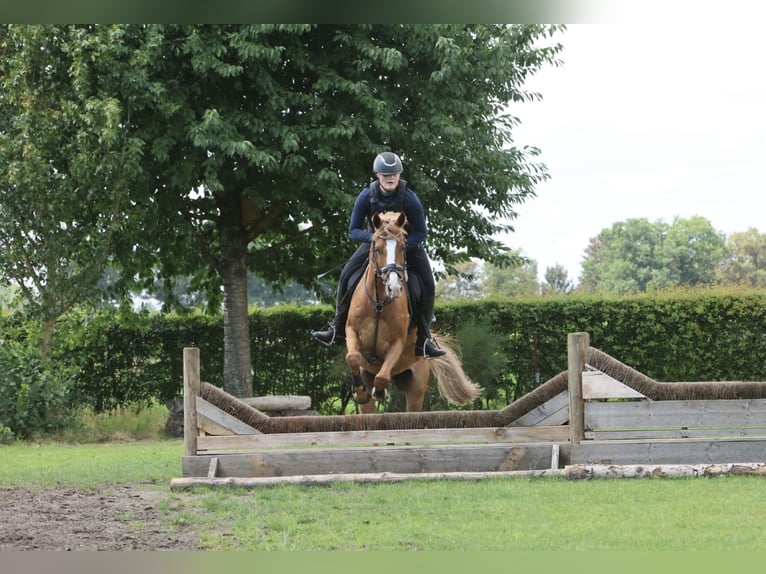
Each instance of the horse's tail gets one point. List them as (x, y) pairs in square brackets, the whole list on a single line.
[(452, 382)]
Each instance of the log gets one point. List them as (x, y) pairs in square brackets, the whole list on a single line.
[(187, 483), (573, 472), (588, 471), (279, 402)]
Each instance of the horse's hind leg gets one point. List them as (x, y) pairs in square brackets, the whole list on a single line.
[(417, 387)]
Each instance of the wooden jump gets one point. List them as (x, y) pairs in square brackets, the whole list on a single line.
[(596, 426)]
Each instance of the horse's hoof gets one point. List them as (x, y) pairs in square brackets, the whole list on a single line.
[(379, 395), (362, 398)]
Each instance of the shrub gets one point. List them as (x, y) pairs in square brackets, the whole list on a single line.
[(34, 397)]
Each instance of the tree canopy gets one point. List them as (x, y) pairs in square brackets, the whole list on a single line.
[(637, 255), (65, 175)]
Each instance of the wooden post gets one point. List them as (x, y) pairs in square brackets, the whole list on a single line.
[(191, 392), (577, 351)]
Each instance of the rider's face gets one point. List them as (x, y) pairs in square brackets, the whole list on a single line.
[(389, 182)]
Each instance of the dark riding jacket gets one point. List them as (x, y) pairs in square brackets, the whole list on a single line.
[(372, 200)]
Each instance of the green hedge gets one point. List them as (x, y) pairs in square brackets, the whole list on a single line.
[(708, 335)]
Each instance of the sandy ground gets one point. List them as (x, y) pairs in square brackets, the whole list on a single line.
[(114, 517)]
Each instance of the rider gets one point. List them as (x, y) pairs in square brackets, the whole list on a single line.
[(388, 193)]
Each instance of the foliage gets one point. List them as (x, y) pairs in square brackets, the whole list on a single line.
[(67, 165), (245, 152), (510, 344), (34, 396), (482, 359), (474, 280), (556, 281), (511, 281), (466, 282), (744, 262), (638, 256), (135, 421)]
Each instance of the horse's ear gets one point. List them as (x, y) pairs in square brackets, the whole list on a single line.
[(401, 221), (376, 220)]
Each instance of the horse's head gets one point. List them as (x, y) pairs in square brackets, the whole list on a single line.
[(388, 250)]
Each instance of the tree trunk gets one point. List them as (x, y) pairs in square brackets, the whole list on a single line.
[(237, 374), (47, 329)]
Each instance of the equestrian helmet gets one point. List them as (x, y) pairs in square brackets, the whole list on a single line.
[(387, 163)]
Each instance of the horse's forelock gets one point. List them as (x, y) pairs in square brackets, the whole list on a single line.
[(389, 225)]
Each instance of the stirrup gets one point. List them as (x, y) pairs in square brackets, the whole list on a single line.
[(326, 337), (429, 349)]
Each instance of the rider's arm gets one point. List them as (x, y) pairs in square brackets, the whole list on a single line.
[(358, 224), (417, 229)]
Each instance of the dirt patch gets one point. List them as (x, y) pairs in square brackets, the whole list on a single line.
[(113, 517)]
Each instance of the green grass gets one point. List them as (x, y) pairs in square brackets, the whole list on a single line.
[(495, 514), (90, 465), (723, 513), (133, 422)]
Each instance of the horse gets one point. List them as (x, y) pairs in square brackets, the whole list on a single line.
[(380, 341)]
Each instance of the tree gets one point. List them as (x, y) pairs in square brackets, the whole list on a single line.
[(257, 138), (513, 280), (467, 282), (556, 281), (65, 173), (744, 262), (637, 255)]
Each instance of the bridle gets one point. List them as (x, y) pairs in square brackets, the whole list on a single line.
[(394, 241), (383, 275)]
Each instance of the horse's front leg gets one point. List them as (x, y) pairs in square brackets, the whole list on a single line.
[(354, 361), (383, 376)]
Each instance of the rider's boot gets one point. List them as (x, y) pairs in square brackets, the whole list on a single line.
[(327, 334), (426, 346), (333, 330)]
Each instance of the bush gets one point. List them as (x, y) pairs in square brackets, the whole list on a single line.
[(34, 397)]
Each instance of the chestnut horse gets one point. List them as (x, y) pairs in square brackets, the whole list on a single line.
[(380, 341)]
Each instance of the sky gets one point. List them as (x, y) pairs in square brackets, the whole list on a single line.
[(655, 120)]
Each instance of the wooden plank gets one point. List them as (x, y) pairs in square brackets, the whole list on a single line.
[(742, 413), (223, 419), (209, 427), (555, 456), (553, 412), (633, 434), (191, 392), (397, 459), (598, 385), (684, 451), (213, 468), (244, 443), (187, 483), (577, 351)]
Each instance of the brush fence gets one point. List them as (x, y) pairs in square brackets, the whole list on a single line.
[(592, 425)]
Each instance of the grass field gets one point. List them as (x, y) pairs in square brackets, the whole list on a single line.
[(722, 513), (550, 514)]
